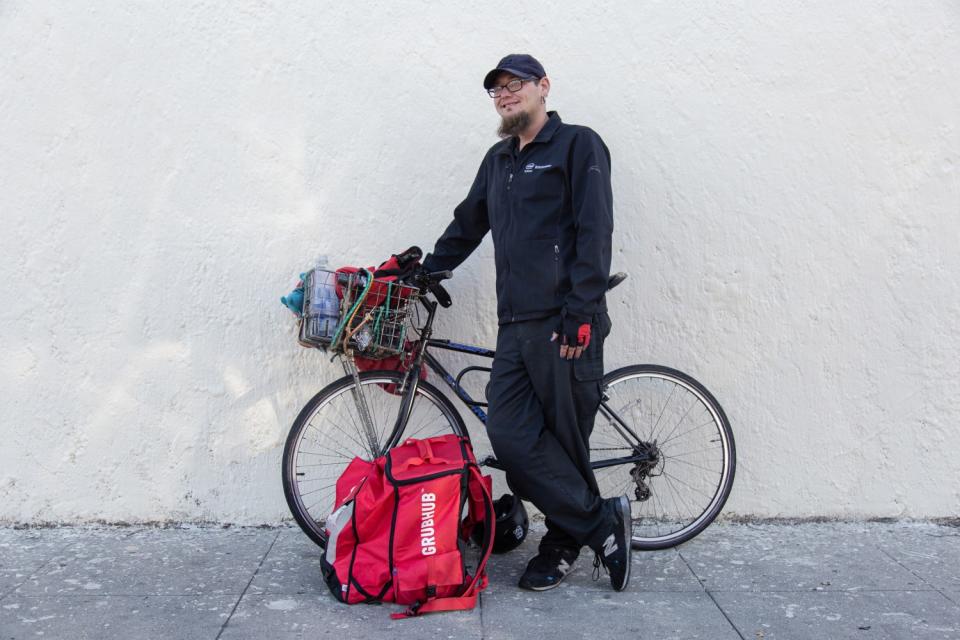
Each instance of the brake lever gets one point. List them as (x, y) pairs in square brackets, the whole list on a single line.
[(441, 294)]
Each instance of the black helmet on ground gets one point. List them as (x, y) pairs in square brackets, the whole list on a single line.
[(511, 526)]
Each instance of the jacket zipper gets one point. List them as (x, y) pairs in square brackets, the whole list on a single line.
[(506, 236), (556, 268)]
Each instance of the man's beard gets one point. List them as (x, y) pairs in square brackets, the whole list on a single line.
[(513, 125)]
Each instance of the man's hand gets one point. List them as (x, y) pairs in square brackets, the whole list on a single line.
[(413, 275), (574, 338)]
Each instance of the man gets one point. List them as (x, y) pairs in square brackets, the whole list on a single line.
[(544, 193)]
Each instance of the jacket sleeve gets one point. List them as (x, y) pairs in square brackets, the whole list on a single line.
[(592, 199), (466, 231)]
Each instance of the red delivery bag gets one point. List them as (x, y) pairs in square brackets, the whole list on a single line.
[(401, 525)]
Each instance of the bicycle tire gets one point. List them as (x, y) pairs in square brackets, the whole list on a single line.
[(643, 395), (335, 444)]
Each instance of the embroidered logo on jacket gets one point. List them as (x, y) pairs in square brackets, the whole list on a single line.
[(530, 167)]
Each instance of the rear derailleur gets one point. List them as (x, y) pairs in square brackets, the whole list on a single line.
[(645, 468)]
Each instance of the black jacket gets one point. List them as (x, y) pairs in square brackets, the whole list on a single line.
[(550, 209)]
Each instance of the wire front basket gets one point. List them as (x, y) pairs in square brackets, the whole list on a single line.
[(353, 311)]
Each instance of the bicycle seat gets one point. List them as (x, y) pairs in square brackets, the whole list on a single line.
[(616, 279)]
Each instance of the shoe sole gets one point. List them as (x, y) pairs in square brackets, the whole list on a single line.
[(547, 588), (628, 537)]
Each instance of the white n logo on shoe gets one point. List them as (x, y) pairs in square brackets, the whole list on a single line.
[(609, 545), (563, 567)]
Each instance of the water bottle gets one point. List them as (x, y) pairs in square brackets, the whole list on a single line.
[(324, 304)]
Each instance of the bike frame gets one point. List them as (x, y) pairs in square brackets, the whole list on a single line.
[(642, 451)]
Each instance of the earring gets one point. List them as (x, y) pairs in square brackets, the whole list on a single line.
[(543, 99)]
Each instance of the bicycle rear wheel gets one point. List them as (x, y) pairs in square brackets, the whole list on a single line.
[(682, 437), (329, 433)]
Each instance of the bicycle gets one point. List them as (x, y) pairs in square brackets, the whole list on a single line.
[(660, 436)]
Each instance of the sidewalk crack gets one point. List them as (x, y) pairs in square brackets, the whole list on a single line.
[(249, 582), (65, 550), (694, 573), (483, 632), (932, 586), (710, 595)]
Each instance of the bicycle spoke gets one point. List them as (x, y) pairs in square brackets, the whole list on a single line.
[(687, 486), (693, 453), (333, 434), (342, 454), (315, 490), (362, 433), (341, 430), (677, 515), (690, 431), (311, 508), (348, 431), (682, 419), (421, 425), (656, 520), (322, 464), (320, 453), (673, 490), (694, 465), (662, 411)]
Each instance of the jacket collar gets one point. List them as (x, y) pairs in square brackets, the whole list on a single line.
[(544, 135)]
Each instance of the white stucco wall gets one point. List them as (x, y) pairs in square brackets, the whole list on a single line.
[(787, 186)]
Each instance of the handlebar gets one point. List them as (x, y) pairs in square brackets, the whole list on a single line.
[(432, 282), (427, 279)]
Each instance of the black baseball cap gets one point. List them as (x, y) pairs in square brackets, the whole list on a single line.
[(519, 64)]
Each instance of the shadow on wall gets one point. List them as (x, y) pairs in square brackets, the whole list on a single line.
[(191, 371)]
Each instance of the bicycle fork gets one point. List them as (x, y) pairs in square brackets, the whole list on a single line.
[(361, 401), (411, 379)]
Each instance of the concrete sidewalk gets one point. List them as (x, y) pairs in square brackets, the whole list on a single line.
[(830, 581)]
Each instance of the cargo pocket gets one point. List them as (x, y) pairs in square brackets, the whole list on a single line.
[(589, 366)]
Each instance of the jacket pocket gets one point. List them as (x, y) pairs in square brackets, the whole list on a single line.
[(533, 281)]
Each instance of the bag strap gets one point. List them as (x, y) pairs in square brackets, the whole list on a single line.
[(423, 448), (489, 517), (460, 603), (475, 514), (468, 599), (426, 455)]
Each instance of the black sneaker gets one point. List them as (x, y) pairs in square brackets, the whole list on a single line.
[(547, 569), (614, 554)]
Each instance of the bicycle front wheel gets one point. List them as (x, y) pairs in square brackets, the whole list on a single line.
[(663, 440), (331, 430)]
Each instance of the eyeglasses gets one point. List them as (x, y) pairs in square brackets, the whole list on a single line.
[(513, 86)]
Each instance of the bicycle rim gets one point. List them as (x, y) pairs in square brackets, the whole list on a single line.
[(677, 497), (329, 433)]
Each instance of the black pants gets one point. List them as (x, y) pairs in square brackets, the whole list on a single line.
[(541, 415)]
